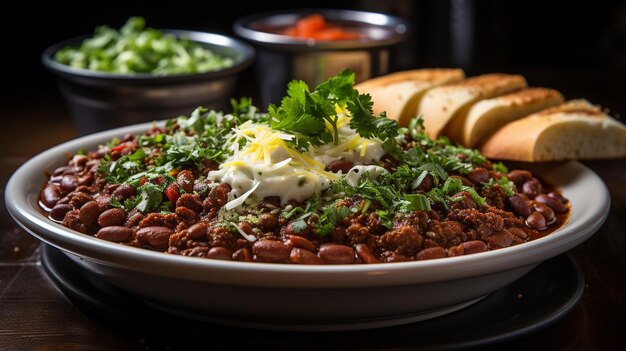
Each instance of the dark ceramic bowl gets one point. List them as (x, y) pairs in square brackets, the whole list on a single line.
[(283, 58), (100, 100)]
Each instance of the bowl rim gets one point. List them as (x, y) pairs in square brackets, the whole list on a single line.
[(398, 27), (247, 52), (22, 194)]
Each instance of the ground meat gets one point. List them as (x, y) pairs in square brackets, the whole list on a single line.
[(218, 196), (452, 234), (356, 233), (494, 196), (405, 240), (485, 224), (220, 236)]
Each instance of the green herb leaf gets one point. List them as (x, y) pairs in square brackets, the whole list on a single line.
[(137, 49), (417, 202), (500, 167)]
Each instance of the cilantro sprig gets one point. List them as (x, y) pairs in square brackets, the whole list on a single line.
[(305, 113)]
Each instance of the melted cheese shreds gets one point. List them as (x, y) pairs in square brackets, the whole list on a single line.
[(266, 165)]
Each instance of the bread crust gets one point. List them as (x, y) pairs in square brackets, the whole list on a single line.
[(398, 94), (574, 130), (487, 116), (441, 105)]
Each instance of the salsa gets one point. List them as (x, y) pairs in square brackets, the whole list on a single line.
[(318, 179), (316, 27)]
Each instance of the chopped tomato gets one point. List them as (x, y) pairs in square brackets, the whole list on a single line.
[(143, 180), (335, 34), (172, 192), (315, 27), (310, 25), (120, 147)]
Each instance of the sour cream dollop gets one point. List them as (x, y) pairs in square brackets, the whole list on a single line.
[(267, 165)]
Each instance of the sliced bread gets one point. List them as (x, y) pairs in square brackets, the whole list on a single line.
[(441, 105), (489, 115), (398, 94), (574, 130)]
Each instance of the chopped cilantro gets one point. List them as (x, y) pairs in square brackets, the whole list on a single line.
[(500, 167)]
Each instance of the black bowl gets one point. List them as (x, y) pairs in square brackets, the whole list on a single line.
[(100, 100)]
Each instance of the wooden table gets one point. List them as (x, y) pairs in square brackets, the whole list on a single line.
[(34, 315)]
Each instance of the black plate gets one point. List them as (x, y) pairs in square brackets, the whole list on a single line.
[(535, 301)]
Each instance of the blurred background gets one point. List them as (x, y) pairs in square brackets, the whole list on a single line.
[(577, 48)]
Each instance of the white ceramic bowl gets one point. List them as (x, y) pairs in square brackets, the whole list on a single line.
[(284, 296)]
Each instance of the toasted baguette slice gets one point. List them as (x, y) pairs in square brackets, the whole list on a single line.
[(487, 116), (441, 105), (574, 130), (398, 94)]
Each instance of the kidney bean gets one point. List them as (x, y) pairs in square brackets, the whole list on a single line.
[(134, 219), (219, 253), (300, 242), (58, 212), (190, 201), (366, 254), (268, 222), (50, 195), (554, 204), (245, 227), (558, 196), (198, 231), (426, 184), (89, 213), (271, 250), (79, 161), (183, 214), (500, 240), (302, 256), (124, 192), (392, 256), (336, 253), (110, 188), (342, 165), (78, 199), (479, 175), (61, 170), (69, 182), (546, 211), (519, 176), (431, 253), (289, 229), (536, 220), (519, 233), (532, 187), (110, 217), (473, 246), (242, 254), (157, 237), (85, 179), (104, 200), (519, 205), (456, 251), (185, 180), (116, 234)]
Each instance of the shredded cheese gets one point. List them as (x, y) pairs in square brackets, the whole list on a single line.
[(264, 164)]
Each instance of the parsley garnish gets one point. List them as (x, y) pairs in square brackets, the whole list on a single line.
[(305, 113)]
